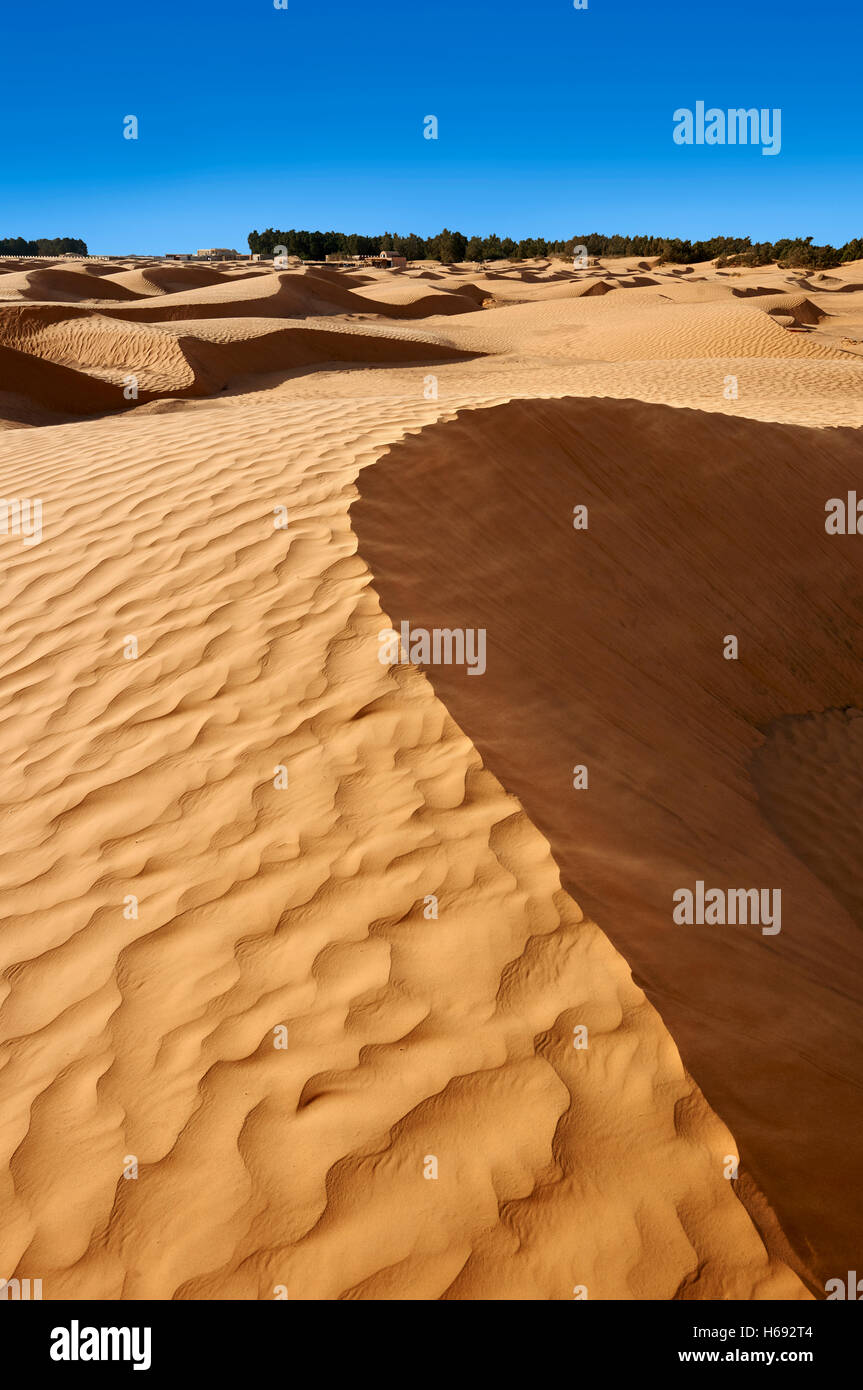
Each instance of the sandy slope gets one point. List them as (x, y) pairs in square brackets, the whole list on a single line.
[(302, 907), (699, 526), (408, 1036)]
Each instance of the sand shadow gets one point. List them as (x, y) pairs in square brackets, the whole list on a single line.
[(605, 650)]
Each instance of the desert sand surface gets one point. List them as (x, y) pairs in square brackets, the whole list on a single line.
[(229, 827)]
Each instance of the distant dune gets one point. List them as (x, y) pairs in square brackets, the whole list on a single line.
[(59, 285), (190, 358)]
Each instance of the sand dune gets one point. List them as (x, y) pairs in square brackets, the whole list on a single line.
[(169, 279), (699, 526), (303, 908), (282, 294), (518, 292), (54, 284), (637, 325), (795, 306), (108, 348), (193, 358), (403, 293), (28, 387), (147, 1032)]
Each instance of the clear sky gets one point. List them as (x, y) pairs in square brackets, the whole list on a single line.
[(552, 121)]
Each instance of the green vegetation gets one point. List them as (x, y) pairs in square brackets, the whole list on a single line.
[(449, 247), (45, 246)]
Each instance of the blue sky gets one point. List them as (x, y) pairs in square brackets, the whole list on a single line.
[(552, 122)]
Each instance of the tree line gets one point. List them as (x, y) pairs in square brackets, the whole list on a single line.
[(43, 246), (451, 247)]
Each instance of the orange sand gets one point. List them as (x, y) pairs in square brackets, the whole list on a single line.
[(436, 397)]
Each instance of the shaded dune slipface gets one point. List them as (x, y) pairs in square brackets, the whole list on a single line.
[(809, 778), (605, 648)]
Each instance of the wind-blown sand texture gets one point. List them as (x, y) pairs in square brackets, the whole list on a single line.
[(427, 433)]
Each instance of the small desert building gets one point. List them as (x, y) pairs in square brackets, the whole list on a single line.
[(381, 261)]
